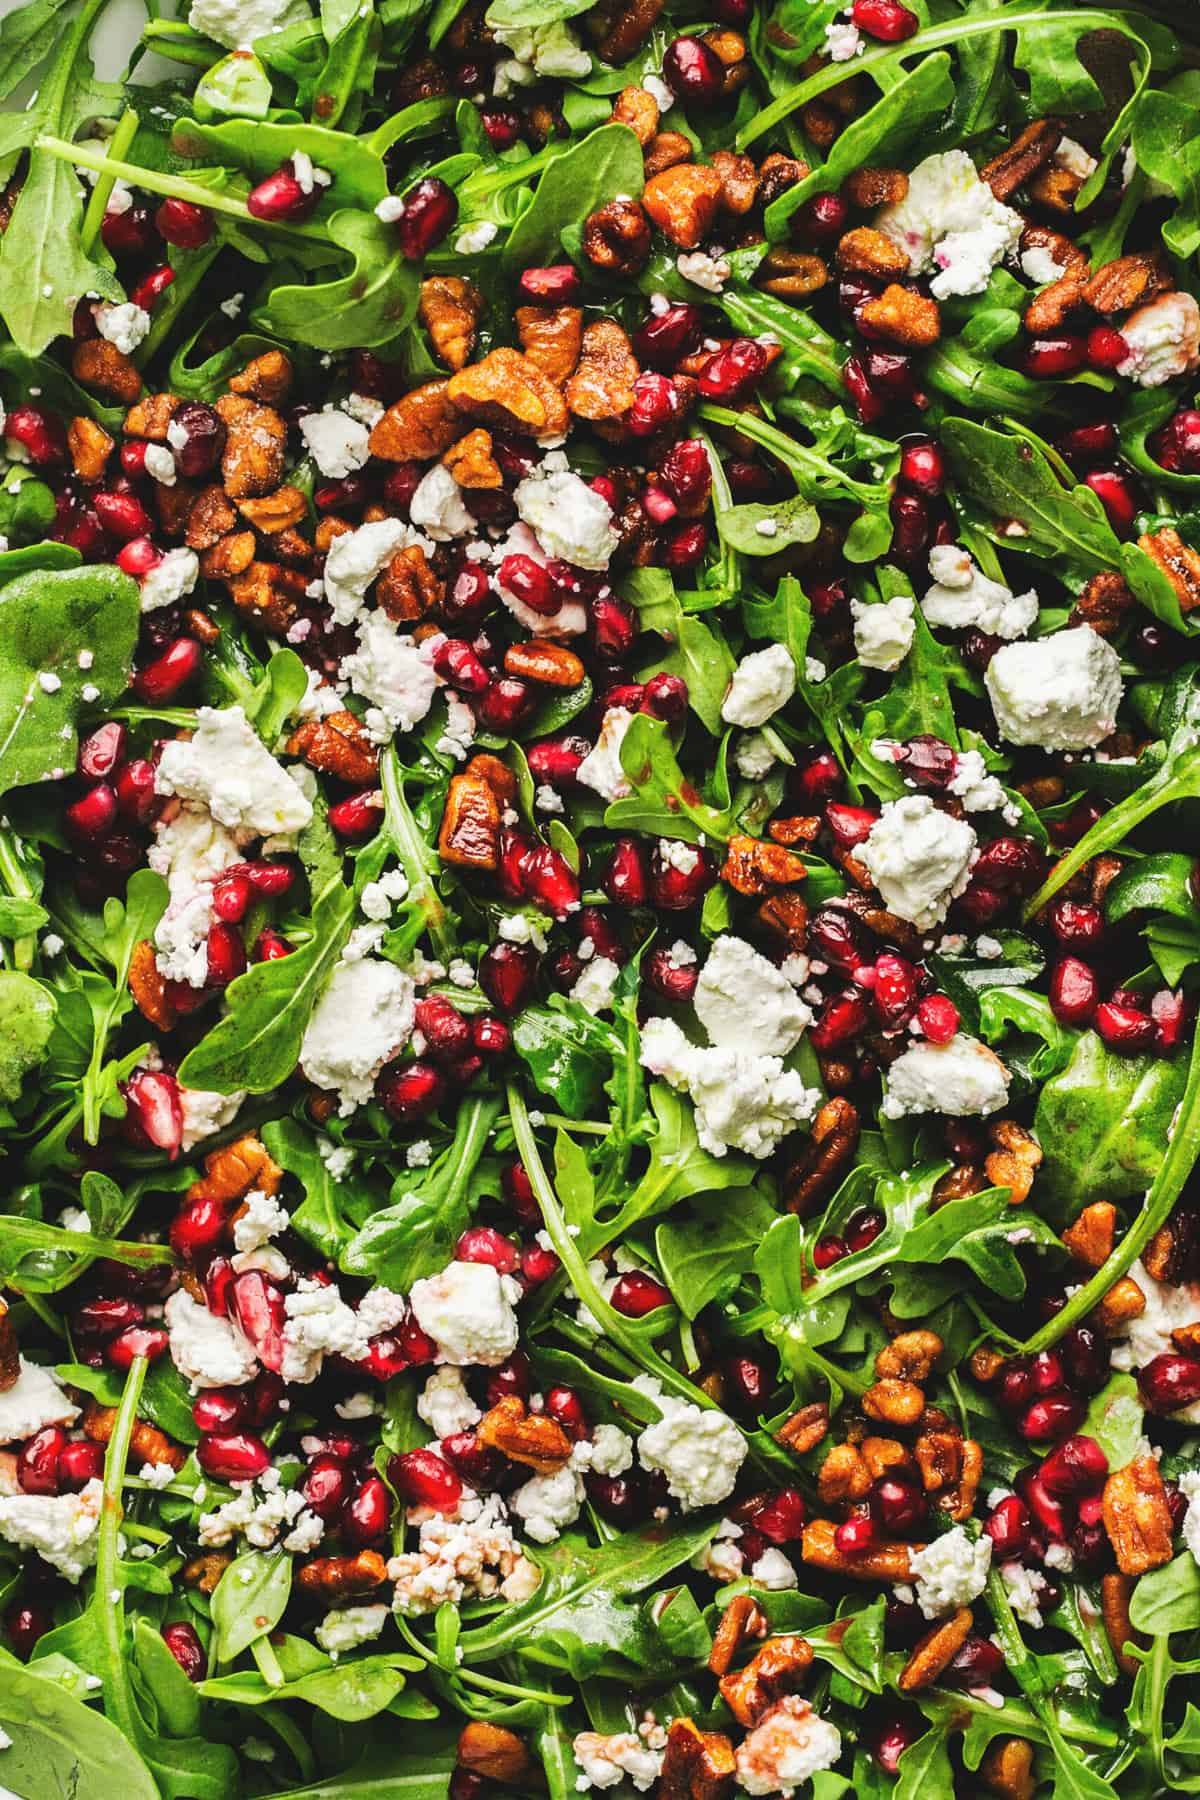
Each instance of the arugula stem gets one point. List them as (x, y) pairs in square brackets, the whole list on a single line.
[(118, 144), (109, 1595), (269, 1666), (20, 887)]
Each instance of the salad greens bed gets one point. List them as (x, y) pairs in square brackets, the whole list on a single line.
[(598, 924)]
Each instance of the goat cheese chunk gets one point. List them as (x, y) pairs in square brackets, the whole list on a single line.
[(569, 518), (208, 1351), (226, 767), (357, 557), (745, 1003), (438, 507), (920, 859), (60, 1527), (594, 988), (395, 673), (699, 1451), (552, 50), (962, 595), (467, 1308), (206, 1112), (950, 1572), (346, 1627), (1168, 1306), (601, 768), (1162, 339), (1189, 1485), (762, 683), (445, 1404), (743, 1101), (884, 631), (34, 1400), (958, 1078), (190, 852), (236, 23), (951, 221), (547, 1504), (362, 1019), (1061, 691), (124, 326), (336, 442), (171, 579), (790, 1744), (607, 1760)]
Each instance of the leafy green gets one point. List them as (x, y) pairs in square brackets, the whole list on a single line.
[(577, 182), (1013, 479), (368, 306), (1103, 1125), (702, 1256), (57, 1744), (27, 1010)]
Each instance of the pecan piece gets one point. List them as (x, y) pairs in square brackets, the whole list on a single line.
[(268, 594), (100, 366), (231, 1171), (204, 1572), (551, 337), (276, 512), (1123, 1301), (865, 251), (958, 1184), (739, 181), (616, 237), (869, 188), (228, 558), (1049, 311), (1116, 1591), (151, 416), (252, 460), (697, 1765), (10, 1351), (741, 1619), (337, 745), (1137, 1516), (550, 665), (210, 518), (629, 25), (798, 828), (832, 1142), (805, 1429), (1126, 282), (791, 274), (408, 589), (638, 109), (777, 174), (753, 866), (90, 447), (267, 378), (886, 1562), (1027, 153), (1014, 1161), (508, 390), (422, 424), (471, 462), (498, 776), (1178, 562), (1007, 1769), (1103, 603), (470, 831), (449, 310), (664, 151), (843, 1475), (778, 1668), (340, 1577), (785, 916), (492, 1752), (147, 1443), (148, 988), (910, 1356), (524, 1437), (602, 385), (894, 1402), (910, 319), (935, 1651)]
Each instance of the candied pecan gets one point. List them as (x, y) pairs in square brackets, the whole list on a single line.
[(1123, 1301), (99, 365), (10, 1351), (471, 461), (275, 512), (910, 1356), (616, 237), (869, 188), (1070, 256), (628, 29), (151, 416), (146, 1443), (492, 1752), (197, 624), (1163, 1257), (524, 1437), (1115, 1592), (174, 506), (791, 274), (785, 916), (1014, 1161), (204, 1572), (1048, 311), (821, 122), (550, 665), (330, 528), (90, 447), (828, 1153), (843, 1475), (1030, 151), (664, 151), (255, 445), (1137, 1516), (1102, 871), (337, 745), (422, 424), (935, 1650), (753, 866), (231, 1171), (903, 317), (602, 385), (939, 1456), (340, 1577), (697, 1765), (741, 1619), (866, 251), (777, 174), (1127, 281), (893, 1401), (801, 828), (805, 1429), (470, 831), (551, 337), (958, 1184), (268, 594), (422, 79), (408, 587), (148, 988), (739, 181), (1103, 603), (210, 518), (1178, 562), (267, 378), (508, 390), (776, 1669), (290, 547), (449, 310), (638, 109), (881, 1454), (498, 776), (229, 557), (683, 202), (885, 1562), (1055, 188), (1007, 1769)]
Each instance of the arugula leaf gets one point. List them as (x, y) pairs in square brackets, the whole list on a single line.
[(258, 148), (1161, 881), (575, 183), (1115, 1419), (703, 1256), (56, 1743), (1012, 479), (27, 1012), (1166, 143), (248, 1601), (1167, 1599), (663, 795), (567, 1052), (367, 307), (1103, 1125)]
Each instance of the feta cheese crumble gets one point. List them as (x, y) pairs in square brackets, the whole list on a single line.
[(445, 1404), (920, 859), (467, 1308), (336, 442), (601, 768), (743, 1101), (226, 767), (745, 1003), (568, 517), (1163, 340), (790, 1744), (762, 683), (962, 595), (699, 1451), (172, 578), (951, 221), (124, 325), (438, 508), (950, 1572), (1061, 691), (34, 1400), (346, 1627), (883, 632), (393, 672), (61, 1528), (958, 1078), (606, 1760), (362, 1019), (208, 1351)]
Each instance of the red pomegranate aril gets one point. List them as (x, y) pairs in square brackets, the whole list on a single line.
[(665, 338), (1177, 446), (899, 1505), (565, 970), (410, 1092), (368, 1515), (564, 1406), (614, 627), (892, 1739), (910, 525), (780, 1519), (843, 1018), (862, 1228), (512, 1377), (400, 484), (151, 288), (184, 1644), (346, 495), (102, 1318), (1105, 347), (445, 1030), (1011, 865), (130, 233), (1116, 493), (637, 1294), (1052, 1416), (218, 1283), (827, 1251), (1170, 1381), (1076, 1466), (886, 20), (138, 558), (855, 1535), (1009, 1527), (850, 826), (1074, 991), (37, 1461), (869, 403), (978, 1663), (686, 473), (1077, 924), (693, 71), (198, 1227), (675, 981), (556, 285), (518, 1192), (456, 662), (421, 1478), (923, 468), (270, 947), (620, 1500), (356, 818), (279, 198), (677, 890), (595, 922), (184, 225), (746, 1385), (430, 209), (197, 438), (538, 1265), (1124, 1029), (480, 1467), (233, 1456), (92, 816), (1170, 1013), (25, 1624), (484, 1244), (232, 896), (506, 974), (226, 954), (551, 882), (1089, 443), (629, 694), (530, 583), (655, 403), (820, 220), (937, 1016), (257, 1305), (894, 995), (152, 1097), (149, 1341), (160, 682), (1054, 358), (101, 750), (502, 124), (80, 1462), (659, 506), (1045, 1372), (506, 703), (684, 547), (40, 434), (731, 372), (220, 1410)]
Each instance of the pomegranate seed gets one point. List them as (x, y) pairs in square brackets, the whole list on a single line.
[(730, 372), (446, 1032), (280, 199), (153, 1103), (220, 1410), (1177, 446), (102, 1318), (850, 826), (270, 947), (862, 1228), (894, 995), (218, 1281), (518, 1192), (231, 897), (747, 1387), (421, 1478), (551, 882), (512, 1377), (79, 1463), (484, 1244), (506, 975), (37, 1461), (923, 468), (198, 1227), (505, 704), (197, 438), (185, 1646), (621, 1500), (820, 220), (977, 1663), (1076, 1466), (684, 548), (686, 473), (827, 1251), (151, 288), (665, 338), (122, 516), (1011, 865), (457, 663), (1009, 1527), (843, 1018), (226, 954), (138, 558), (356, 818), (614, 627), (938, 1018), (1170, 1013), (538, 1265), (855, 1535), (1124, 1029), (1074, 991), (91, 817), (557, 285), (693, 71), (637, 1294), (595, 923), (410, 1092), (1053, 358), (655, 403), (1089, 443), (899, 1505), (1170, 1381), (869, 404), (564, 1406), (1116, 494), (659, 505), (891, 1740), (1085, 1358), (479, 1467), (673, 981), (130, 233), (530, 583), (491, 1037), (257, 1304), (140, 1340), (400, 485), (368, 1515), (515, 846), (161, 681), (503, 126), (1105, 347), (186, 226), (101, 750), (1046, 1372), (347, 495), (781, 1518), (1054, 1415), (1077, 924), (910, 522), (886, 20), (39, 434), (233, 1456), (430, 209), (25, 1625)]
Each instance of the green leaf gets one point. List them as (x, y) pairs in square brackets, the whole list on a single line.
[(577, 182), (1167, 1599), (702, 1255), (383, 1775), (27, 1011), (1115, 1419), (1166, 143), (60, 1746), (1103, 1125), (175, 1696), (924, 1769), (1161, 881), (917, 701), (507, 15), (663, 794), (758, 529), (280, 692), (257, 149), (25, 37), (568, 1054), (249, 1601), (367, 307), (1012, 479), (46, 620)]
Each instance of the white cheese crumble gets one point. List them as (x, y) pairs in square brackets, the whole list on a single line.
[(571, 617), (957, 1078), (608, 1759), (920, 859), (236, 23), (601, 768), (745, 1003), (843, 41), (438, 508), (226, 767), (262, 1219), (208, 1351), (159, 464), (1061, 691), (378, 898), (190, 851), (61, 1528), (1168, 1306), (467, 1308), (474, 1555), (950, 1572), (124, 325), (951, 220), (445, 1404), (762, 683), (1189, 1484), (475, 238), (962, 595), (1024, 1588), (336, 442), (594, 987), (357, 557), (1163, 340), (362, 1019), (743, 1101), (394, 673), (346, 1627), (569, 518), (883, 632), (173, 576), (699, 1451), (34, 1400), (547, 1504), (702, 270), (789, 1745), (753, 756)]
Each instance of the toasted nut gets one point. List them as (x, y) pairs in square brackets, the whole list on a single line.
[(894, 1402), (1028, 153), (843, 1475), (493, 1752), (10, 1351), (268, 594), (1055, 189), (906, 318), (532, 1438), (1015, 1159), (821, 122), (617, 237), (1137, 1517), (1178, 562), (508, 390), (408, 588), (204, 1572), (958, 1184), (729, 47), (1049, 311), (1071, 258), (805, 1429), (935, 1650), (337, 745), (340, 1577), (228, 558), (986, 1364), (829, 1151), (1103, 603), (151, 416), (422, 424), (910, 1356), (174, 506), (146, 1443), (739, 181), (778, 1668), (210, 518), (231, 1171), (255, 446), (275, 512), (267, 378), (90, 447), (1116, 1591), (471, 462), (1126, 282), (1007, 1769), (866, 251), (1187, 1337), (1123, 1301), (498, 776), (1102, 871), (602, 385), (664, 151), (148, 987), (939, 1458), (869, 188), (791, 274), (697, 1765), (741, 1619), (100, 366), (785, 916), (470, 830), (777, 173), (753, 866), (636, 108), (449, 309), (550, 665), (551, 337), (630, 26), (801, 828), (887, 1562), (881, 1454), (959, 1500), (1163, 1256)]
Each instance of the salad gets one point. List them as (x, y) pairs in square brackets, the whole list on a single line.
[(599, 919)]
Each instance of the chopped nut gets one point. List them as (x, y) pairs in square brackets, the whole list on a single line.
[(636, 108), (827, 1154), (1049, 311), (664, 151), (1014, 1161), (268, 594), (408, 588), (894, 1402), (550, 665), (1123, 1301), (1071, 258), (805, 1429), (1028, 153), (741, 1619), (778, 1668), (422, 424), (1007, 1769), (267, 378), (602, 385), (151, 416), (739, 181), (629, 27), (99, 365), (275, 512), (935, 1651), (903, 316), (886, 1562), (986, 1364), (532, 1438), (821, 122), (617, 237), (470, 831), (210, 518), (1163, 1256), (90, 447), (910, 1356), (785, 916), (551, 337), (869, 188), (498, 776), (958, 1184), (146, 1443), (493, 1752), (753, 866), (843, 1475), (1055, 188), (228, 558), (449, 309), (683, 202), (337, 745), (1116, 1591), (697, 1765), (1126, 282), (777, 174), (148, 987), (341, 1577), (866, 251), (1178, 562), (252, 460), (801, 828), (1137, 1517), (471, 462), (204, 1572), (1103, 603), (508, 390), (791, 274), (231, 1172)]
